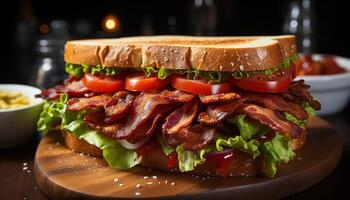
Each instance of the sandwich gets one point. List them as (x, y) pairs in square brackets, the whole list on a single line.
[(211, 106)]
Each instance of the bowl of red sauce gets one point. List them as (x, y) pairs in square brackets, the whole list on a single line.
[(329, 78)]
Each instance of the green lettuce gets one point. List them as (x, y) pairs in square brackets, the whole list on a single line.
[(166, 148), (55, 112), (276, 151), (310, 110), (51, 114), (247, 129), (161, 73), (116, 155), (79, 70), (188, 160), (293, 119), (239, 143)]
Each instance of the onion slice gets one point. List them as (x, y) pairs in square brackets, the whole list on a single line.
[(128, 145)]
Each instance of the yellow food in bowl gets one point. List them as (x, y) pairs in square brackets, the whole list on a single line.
[(13, 100)]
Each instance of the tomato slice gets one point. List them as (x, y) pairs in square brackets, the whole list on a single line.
[(101, 83), (199, 86), (139, 82), (274, 83)]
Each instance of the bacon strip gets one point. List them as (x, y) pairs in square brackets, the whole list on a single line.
[(218, 97), (116, 106), (96, 121), (268, 117), (217, 113), (146, 111), (197, 137), (95, 102), (74, 88), (180, 118), (124, 101), (298, 92), (277, 103)]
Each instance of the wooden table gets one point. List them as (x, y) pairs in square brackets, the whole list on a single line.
[(17, 182)]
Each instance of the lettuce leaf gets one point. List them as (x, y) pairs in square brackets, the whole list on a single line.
[(161, 73), (79, 70), (293, 119), (52, 113), (188, 160), (310, 110), (247, 129), (116, 155), (251, 147), (276, 151), (166, 148)]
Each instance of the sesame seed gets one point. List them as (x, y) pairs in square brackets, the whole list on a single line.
[(25, 168), (116, 180), (166, 181), (154, 177), (149, 183), (28, 171), (145, 177), (241, 67), (172, 183), (138, 185), (299, 158), (25, 164), (137, 194), (158, 182), (121, 184), (231, 64)]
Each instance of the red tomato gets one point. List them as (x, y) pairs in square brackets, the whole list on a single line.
[(101, 83), (274, 83), (139, 82), (199, 86)]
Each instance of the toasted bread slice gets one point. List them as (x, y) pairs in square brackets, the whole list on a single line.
[(183, 52)]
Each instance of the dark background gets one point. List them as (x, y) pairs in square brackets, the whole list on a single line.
[(236, 17)]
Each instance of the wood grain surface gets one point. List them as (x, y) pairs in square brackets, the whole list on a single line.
[(62, 174)]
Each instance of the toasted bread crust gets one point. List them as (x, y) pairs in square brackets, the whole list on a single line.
[(243, 164), (183, 52)]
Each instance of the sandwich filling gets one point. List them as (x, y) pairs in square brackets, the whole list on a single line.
[(196, 116)]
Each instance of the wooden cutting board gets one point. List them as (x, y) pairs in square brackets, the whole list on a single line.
[(63, 174)]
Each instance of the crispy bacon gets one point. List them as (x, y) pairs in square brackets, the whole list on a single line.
[(74, 88), (217, 113), (123, 103), (95, 102), (115, 106), (269, 118), (179, 119), (193, 137), (146, 111), (298, 92), (96, 121), (277, 103), (218, 97)]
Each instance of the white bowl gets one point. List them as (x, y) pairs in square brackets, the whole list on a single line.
[(333, 91), (18, 124)]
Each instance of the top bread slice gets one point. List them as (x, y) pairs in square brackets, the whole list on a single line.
[(184, 52)]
